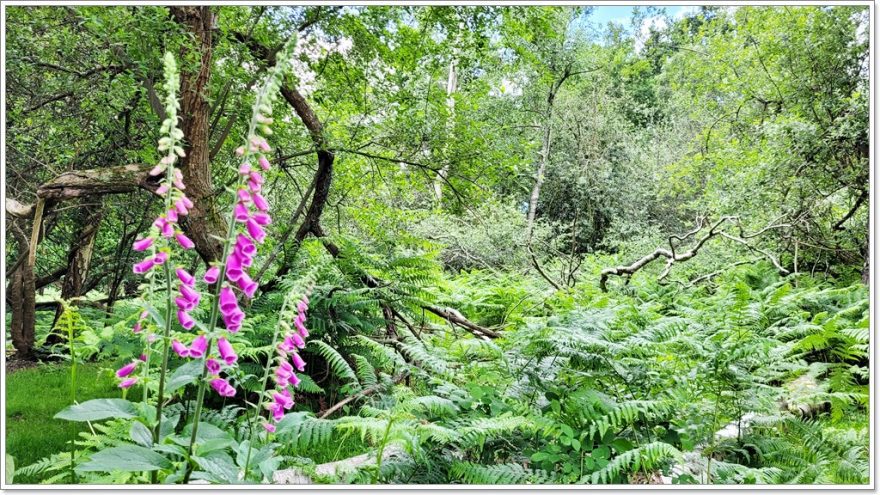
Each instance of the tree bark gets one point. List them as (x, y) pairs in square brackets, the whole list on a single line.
[(203, 223), (545, 150), (22, 296), (79, 257), (451, 88), (539, 175)]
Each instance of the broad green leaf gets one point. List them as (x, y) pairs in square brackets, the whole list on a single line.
[(220, 465), (140, 434), (184, 375), (125, 458), (96, 409)]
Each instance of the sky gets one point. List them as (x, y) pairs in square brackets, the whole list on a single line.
[(622, 13)]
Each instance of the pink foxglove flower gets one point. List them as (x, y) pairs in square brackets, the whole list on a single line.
[(226, 351), (158, 169), (185, 320), (184, 277), (142, 244), (241, 212), (245, 246), (183, 303), (269, 427), (255, 231), (244, 196), (248, 286), (167, 230), (222, 387), (262, 218), (144, 266), (185, 242), (198, 347), (212, 274), (190, 294), (213, 366), (180, 349), (260, 202), (234, 269), (127, 383), (264, 163), (126, 370), (298, 362)]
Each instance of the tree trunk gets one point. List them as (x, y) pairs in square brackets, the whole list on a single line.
[(451, 88), (539, 176), (203, 223), (22, 297), (78, 260)]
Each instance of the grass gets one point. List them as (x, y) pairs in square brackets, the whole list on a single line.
[(35, 395)]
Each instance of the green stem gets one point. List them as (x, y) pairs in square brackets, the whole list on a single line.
[(382, 451), (72, 363), (160, 398), (263, 388)]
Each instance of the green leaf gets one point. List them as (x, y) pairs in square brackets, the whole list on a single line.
[(213, 444), (96, 409), (184, 375), (622, 445), (140, 434), (125, 458), (206, 432), (220, 465), (576, 444), (602, 452), (567, 430)]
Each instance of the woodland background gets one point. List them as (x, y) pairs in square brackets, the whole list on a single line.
[(555, 228)]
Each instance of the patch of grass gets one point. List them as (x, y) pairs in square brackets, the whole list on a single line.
[(35, 395)]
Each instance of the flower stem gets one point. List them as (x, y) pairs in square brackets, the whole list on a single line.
[(160, 398), (263, 388)]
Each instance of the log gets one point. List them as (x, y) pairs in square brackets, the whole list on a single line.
[(296, 476), (97, 181)]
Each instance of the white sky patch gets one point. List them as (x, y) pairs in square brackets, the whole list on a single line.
[(311, 49), (686, 11), (656, 23), (506, 88)]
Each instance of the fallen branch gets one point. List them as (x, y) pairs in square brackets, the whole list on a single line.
[(541, 270), (672, 257), (296, 476), (363, 393), (453, 316)]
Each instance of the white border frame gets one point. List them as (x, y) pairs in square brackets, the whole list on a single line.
[(431, 488)]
